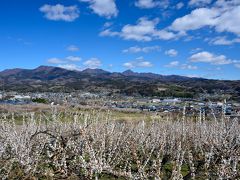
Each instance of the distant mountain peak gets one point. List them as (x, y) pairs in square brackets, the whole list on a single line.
[(42, 68), (129, 72), (9, 72), (94, 71)]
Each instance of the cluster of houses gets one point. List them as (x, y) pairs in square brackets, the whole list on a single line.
[(167, 105), (57, 98), (190, 106), (143, 106), (14, 98)]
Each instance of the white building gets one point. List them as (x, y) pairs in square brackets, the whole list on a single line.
[(172, 100), (220, 104), (156, 100), (19, 97)]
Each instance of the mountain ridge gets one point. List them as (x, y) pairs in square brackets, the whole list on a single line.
[(50, 78), (95, 71)]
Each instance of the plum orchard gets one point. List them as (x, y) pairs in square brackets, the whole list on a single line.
[(94, 146)]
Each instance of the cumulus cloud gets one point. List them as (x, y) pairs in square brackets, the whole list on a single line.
[(108, 32), (138, 63), (106, 8), (72, 48), (224, 16), (167, 35), (223, 40), (55, 61), (220, 16), (143, 30), (180, 5), (196, 20), (188, 66), (147, 4), (72, 67), (107, 24), (177, 64), (207, 57), (60, 12), (93, 63), (198, 3), (173, 64), (195, 50), (65, 60), (229, 21), (171, 52), (73, 58), (129, 65), (137, 49)]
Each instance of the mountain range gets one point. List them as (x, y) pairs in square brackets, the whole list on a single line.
[(55, 79)]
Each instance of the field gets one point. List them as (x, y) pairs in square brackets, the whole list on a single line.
[(65, 143)]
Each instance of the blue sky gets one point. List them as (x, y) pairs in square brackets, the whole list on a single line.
[(199, 38)]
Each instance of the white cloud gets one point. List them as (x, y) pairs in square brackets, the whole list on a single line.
[(73, 48), (138, 63), (166, 35), (106, 8), (176, 64), (221, 16), (108, 32), (173, 64), (207, 57), (144, 64), (197, 19), (224, 16), (55, 61), (72, 67), (226, 4), (229, 21), (180, 5), (171, 52), (222, 40), (143, 30), (195, 50), (107, 24), (60, 12), (198, 3), (63, 61), (188, 66), (73, 58), (92, 63), (129, 65), (147, 4), (137, 49)]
